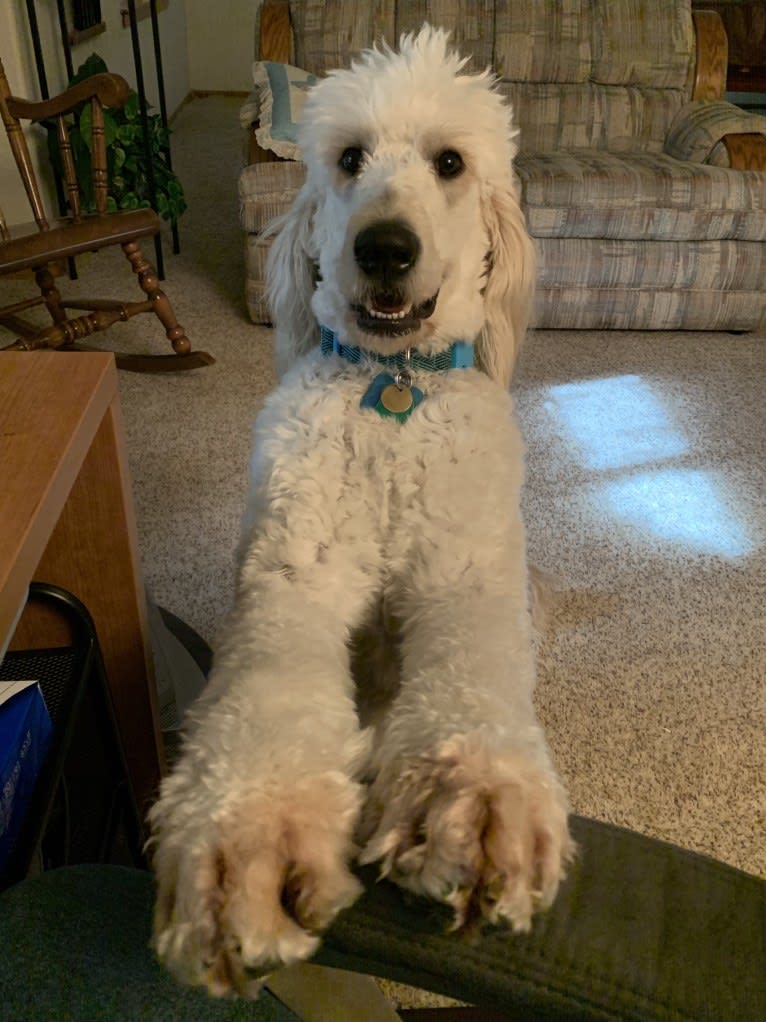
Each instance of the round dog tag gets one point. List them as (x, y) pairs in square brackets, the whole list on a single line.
[(395, 400)]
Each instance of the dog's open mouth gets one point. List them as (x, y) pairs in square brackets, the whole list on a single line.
[(388, 314)]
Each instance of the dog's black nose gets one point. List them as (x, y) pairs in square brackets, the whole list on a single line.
[(386, 250)]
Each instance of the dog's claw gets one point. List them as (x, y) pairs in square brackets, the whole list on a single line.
[(496, 833), (266, 886)]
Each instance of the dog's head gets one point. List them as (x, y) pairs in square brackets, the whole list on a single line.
[(408, 230)]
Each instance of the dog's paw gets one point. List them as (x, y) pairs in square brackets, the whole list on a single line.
[(249, 887), (485, 833)]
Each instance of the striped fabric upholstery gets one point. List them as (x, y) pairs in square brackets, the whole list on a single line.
[(649, 44), (706, 265), (471, 24), (266, 191), (585, 195), (554, 116), (325, 34), (594, 194), (700, 126), (638, 222), (604, 74), (642, 308), (544, 42), (556, 43)]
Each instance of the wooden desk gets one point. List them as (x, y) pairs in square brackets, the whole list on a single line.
[(66, 517)]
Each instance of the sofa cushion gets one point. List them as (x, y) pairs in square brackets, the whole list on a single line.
[(552, 116), (650, 44), (584, 195), (648, 196), (613, 263), (325, 34), (266, 191), (639, 308), (543, 42), (471, 25), (608, 74), (577, 68)]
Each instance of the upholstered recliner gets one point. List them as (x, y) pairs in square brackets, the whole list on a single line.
[(644, 190)]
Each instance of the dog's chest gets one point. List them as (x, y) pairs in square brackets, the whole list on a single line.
[(456, 456), (327, 468)]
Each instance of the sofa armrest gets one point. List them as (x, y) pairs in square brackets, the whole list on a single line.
[(712, 55), (699, 129)]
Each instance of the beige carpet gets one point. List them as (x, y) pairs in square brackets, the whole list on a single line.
[(645, 499)]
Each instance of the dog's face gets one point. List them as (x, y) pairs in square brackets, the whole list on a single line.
[(401, 248), (398, 150), (409, 212)]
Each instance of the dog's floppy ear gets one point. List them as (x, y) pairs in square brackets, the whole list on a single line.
[(290, 280), (509, 290)]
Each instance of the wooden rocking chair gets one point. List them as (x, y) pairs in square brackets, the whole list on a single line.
[(39, 250)]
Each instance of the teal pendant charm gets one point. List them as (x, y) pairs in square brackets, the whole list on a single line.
[(392, 396)]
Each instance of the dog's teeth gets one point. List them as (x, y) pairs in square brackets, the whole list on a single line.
[(389, 315)]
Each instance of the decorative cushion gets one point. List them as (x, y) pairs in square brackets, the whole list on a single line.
[(281, 92)]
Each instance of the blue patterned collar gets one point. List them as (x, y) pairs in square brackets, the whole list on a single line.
[(458, 356)]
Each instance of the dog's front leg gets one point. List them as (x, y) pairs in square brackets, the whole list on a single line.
[(253, 829), (466, 806)]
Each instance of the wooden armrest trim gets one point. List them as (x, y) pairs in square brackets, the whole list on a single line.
[(712, 55), (746, 151), (275, 34), (110, 89)]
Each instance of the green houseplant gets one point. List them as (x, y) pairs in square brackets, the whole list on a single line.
[(126, 154)]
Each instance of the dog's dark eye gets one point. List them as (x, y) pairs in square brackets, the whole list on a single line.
[(449, 163), (351, 160)]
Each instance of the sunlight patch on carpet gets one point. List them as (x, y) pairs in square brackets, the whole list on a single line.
[(682, 506), (620, 427), (616, 422)]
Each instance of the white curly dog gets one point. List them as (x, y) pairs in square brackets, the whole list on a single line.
[(371, 694)]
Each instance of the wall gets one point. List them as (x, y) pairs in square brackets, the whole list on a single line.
[(113, 45), (221, 44), (12, 196)]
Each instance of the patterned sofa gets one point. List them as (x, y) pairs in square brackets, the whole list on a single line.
[(644, 190)]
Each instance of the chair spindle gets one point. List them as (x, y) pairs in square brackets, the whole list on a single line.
[(98, 152), (21, 155), (70, 174)]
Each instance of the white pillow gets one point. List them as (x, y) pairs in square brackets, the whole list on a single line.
[(281, 92)]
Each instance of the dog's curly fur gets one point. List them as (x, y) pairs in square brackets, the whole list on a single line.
[(371, 695)]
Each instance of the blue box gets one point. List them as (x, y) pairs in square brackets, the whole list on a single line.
[(25, 734)]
